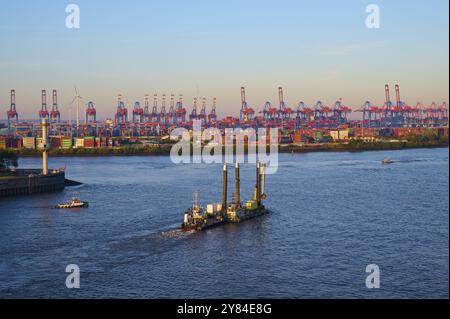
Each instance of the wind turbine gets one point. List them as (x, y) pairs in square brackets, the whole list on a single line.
[(77, 98)]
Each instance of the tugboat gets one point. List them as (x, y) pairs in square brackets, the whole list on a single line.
[(196, 218), (387, 160), (74, 203)]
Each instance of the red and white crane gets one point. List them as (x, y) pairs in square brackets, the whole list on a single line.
[(55, 115), (43, 113), (12, 114)]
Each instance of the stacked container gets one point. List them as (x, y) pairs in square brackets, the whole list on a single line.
[(89, 142), (66, 143), (79, 143), (2, 143), (29, 143), (55, 141)]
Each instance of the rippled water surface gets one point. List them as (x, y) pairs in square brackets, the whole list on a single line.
[(332, 215)]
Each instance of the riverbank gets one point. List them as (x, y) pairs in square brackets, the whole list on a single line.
[(359, 146), (157, 150)]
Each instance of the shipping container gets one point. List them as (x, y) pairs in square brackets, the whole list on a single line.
[(89, 143), (338, 135), (79, 143), (318, 135), (66, 143), (100, 142), (55, 141), (29, 143), (13, 142), (286, 139), (443, 131), (2, 143)]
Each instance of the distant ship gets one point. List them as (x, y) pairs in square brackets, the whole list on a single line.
[(197, 218), (387, 160)]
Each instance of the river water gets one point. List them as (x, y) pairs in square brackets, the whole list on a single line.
[(332, 215)]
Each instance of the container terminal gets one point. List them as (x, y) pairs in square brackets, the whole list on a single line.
[(196, 218), (301, 124)]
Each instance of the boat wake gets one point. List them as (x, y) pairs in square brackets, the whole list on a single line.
[(176, 234), (414, 160)]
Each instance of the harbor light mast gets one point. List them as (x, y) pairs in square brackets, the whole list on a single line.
[(44, 125)]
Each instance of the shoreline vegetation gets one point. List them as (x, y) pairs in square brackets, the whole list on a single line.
[(164, 149)]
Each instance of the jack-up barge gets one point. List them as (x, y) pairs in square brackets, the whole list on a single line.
[(196, 218)]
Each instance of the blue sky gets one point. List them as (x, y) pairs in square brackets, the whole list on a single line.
[(317, 50)]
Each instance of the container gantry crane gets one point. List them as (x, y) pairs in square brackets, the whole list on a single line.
[(431, 115), (307, 114), (194, 114), (299, 115), (162, 113), (398, 110), (138, 113), (322, 114), (212, 117), (12, 114), (91, 113), (43, 113), (443, 114), (246, 113), (154, 115), (171, 115), (371, 115), (270, 111), (417, 115), (284, 112), (340, 112), (386, 109), (55, 115), (180, 111), (146, 108), (202, 115), (122, 112)]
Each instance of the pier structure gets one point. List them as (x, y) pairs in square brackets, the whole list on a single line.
[(18, 182)]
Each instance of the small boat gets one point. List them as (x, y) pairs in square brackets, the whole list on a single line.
[(387, 160), (74, 203), (196, 218)]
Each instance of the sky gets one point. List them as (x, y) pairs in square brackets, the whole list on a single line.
[(316, 50)]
